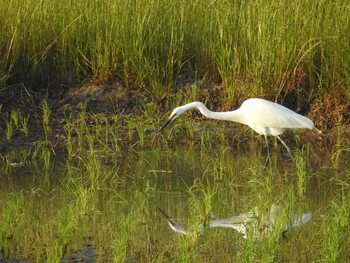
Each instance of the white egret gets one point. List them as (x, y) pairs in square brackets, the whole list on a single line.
[(264, 117), (241, 222)]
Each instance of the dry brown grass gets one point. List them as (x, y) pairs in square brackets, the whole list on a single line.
[(331, 111)]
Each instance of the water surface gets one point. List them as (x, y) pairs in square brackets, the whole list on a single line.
[(101, 207)]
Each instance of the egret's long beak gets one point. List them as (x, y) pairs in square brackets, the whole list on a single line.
[(163, 213), (170, 221), (165, 124)]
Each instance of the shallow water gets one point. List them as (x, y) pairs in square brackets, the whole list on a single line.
[(102, 207)]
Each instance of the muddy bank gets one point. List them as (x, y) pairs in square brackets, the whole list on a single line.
[(330, 114)]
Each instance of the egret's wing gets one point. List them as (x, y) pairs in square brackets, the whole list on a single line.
[(238, 226), (268, 114), (299, 220), (241, 218), (238, 223)]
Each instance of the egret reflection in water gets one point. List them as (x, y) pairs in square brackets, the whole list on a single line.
[(241, 222)]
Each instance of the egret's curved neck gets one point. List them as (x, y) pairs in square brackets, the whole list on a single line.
[(235, 115)]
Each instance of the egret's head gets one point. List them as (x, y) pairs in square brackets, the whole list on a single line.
[(174, 115)]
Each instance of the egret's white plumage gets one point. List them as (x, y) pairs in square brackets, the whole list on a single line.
[(263, 116), (262, 225)]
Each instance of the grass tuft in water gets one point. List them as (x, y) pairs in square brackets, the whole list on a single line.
[(121, 236), (46, 119), (9, 130), (24, 124), (336, 230), (301, 171), (10, 216)]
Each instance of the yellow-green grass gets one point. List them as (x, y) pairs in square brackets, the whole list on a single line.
[(256, 47)]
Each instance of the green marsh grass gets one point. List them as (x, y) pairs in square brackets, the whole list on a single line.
[(200, 204), (9, 130), (16, 121), (24, 124), (256, 48), (82, 127), (67, 222), (43, 152), (300, 159), (69, 140), (340, 155), (46, 119), (336, 230), (121, 236), (112, 136), (15, 117), (14, 159), (183, 252), (10, 216)]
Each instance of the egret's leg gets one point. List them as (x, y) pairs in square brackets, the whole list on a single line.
[(284, 144), (268, 151)]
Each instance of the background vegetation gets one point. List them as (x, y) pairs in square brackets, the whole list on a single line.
[(254, 47), (75, 181)]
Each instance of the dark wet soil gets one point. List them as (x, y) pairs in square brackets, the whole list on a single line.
[(84, 254), (14, 261), (64, 103)]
